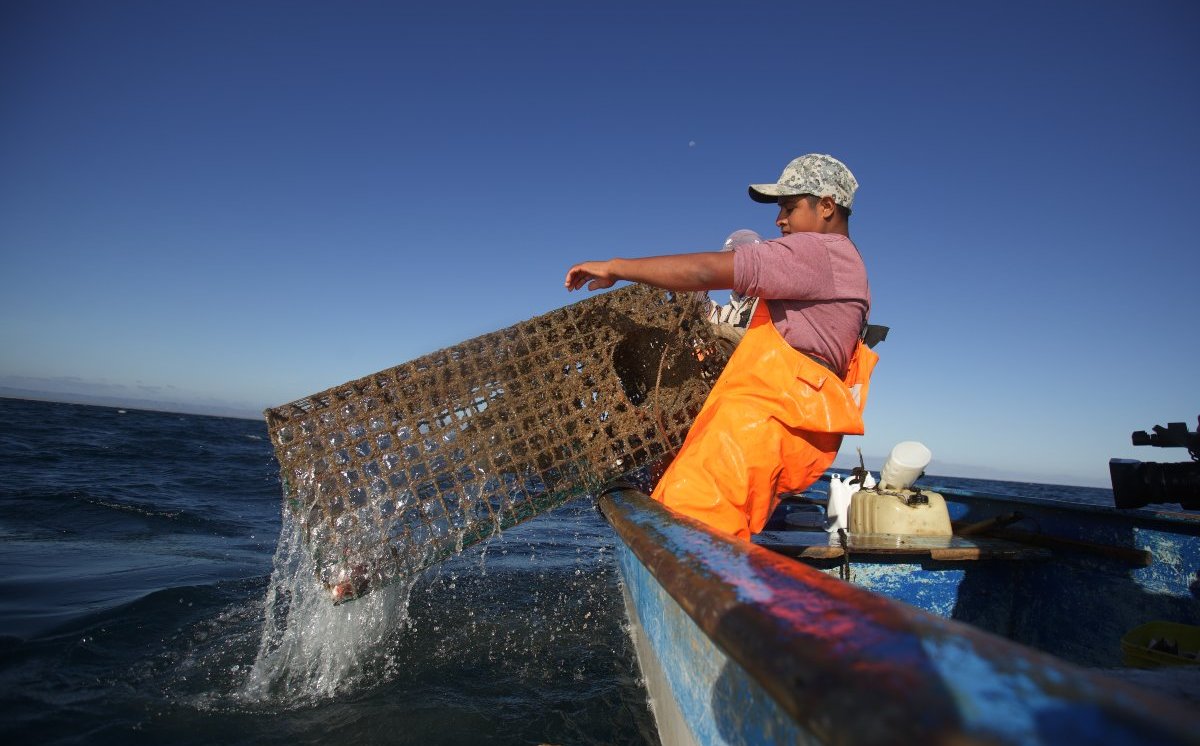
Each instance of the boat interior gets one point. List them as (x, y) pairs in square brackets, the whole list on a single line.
[(1083, 583)]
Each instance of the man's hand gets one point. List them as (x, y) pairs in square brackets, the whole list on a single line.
[(708, 270), (599, 273)]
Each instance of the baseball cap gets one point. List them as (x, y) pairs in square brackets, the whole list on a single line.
[(820, 175)]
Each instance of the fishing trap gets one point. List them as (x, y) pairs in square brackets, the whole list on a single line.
[(391, 473)]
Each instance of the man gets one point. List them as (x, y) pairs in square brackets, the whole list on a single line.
[(797, 381)]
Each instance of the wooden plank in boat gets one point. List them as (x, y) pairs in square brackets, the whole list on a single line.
[(821, 545), (1133, 556)]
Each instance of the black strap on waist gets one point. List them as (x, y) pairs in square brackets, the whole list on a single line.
[(822, 362)]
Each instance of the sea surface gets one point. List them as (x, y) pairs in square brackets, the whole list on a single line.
[(150, 594)]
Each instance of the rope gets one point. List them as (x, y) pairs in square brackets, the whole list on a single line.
[(658, 417), (844, 571)]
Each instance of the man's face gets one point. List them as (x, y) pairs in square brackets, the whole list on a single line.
[(800, 215)]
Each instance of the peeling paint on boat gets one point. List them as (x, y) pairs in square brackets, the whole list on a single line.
[(935, 592), (1176, 561)]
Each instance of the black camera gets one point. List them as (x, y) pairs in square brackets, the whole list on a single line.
[(1139, 483)]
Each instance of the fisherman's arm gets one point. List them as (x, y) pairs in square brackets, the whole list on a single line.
[(708, 270)]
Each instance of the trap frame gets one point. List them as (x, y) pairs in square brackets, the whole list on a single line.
[(392, 472)]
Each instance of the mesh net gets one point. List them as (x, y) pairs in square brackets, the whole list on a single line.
[(393, 472)]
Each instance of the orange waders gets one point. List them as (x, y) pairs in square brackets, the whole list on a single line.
[(772, 424)]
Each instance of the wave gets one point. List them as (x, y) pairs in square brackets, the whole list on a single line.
[(201, 637), (38, 514)]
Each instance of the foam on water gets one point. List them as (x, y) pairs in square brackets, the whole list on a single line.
[(310, 649)]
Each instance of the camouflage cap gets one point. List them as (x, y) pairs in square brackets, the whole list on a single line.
[(821, 175)]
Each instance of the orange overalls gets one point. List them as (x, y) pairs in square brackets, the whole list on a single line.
[(772, 424)]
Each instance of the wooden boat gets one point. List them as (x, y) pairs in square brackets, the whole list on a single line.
[(993, 635)]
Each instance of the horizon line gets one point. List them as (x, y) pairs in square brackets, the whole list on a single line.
[(969, 471)]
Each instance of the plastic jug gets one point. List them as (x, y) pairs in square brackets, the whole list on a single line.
[(906, 463)]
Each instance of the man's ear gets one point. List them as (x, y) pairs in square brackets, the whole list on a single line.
[(826, 208)]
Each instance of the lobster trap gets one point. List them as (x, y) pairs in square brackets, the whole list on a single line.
[(391, 473)]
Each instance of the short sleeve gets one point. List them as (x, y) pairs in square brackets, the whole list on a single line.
[(795, 267)]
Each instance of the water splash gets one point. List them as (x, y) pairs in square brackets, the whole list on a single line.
[(312, 650)]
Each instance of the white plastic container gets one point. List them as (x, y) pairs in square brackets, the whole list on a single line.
[(888, 513), (906, 463)]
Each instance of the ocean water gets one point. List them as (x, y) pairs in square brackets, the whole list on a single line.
[(138, 605), (153, 592)]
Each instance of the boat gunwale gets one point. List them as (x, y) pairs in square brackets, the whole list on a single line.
[(821, 647), (1175, 518)]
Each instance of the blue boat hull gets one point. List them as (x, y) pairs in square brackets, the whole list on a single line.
[(698, 694), (753, 647)]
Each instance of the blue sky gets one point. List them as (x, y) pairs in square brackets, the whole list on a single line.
[(237, 204)]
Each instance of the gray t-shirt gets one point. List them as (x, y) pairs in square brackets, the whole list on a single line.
[(815, 285)]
